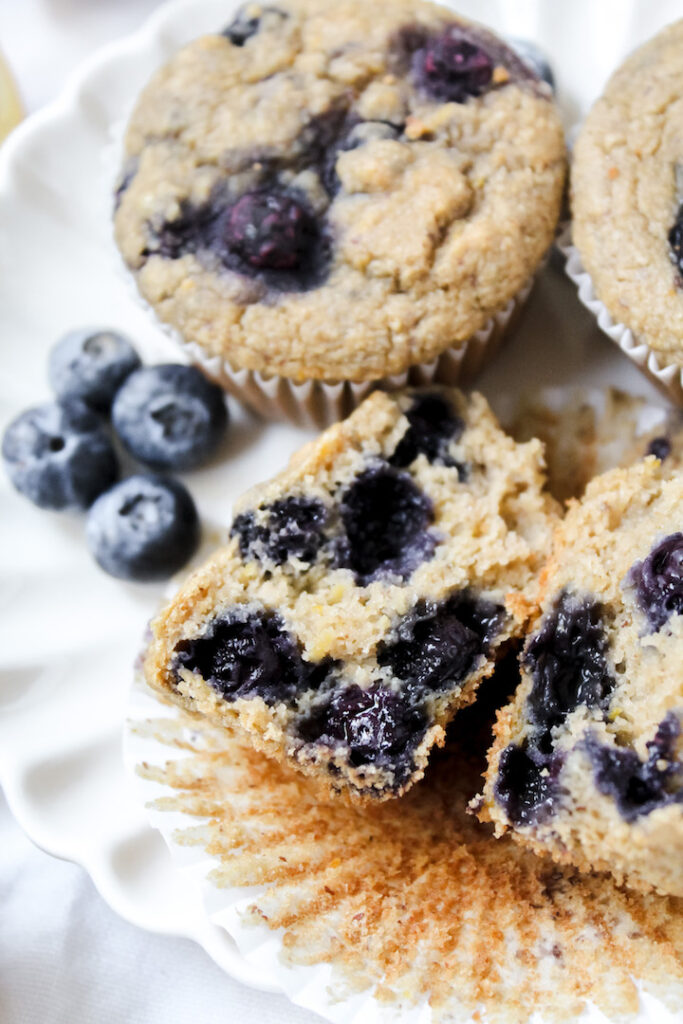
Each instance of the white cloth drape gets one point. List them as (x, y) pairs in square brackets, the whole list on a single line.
[(66, 958)]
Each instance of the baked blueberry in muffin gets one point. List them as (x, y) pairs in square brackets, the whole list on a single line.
[(338, 191), (365, 591), (588, 759)]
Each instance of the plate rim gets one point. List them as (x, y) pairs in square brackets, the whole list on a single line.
[(65, 106)]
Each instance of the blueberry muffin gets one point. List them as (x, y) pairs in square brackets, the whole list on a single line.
[(365, 592), (587, 764), (338, 191), (627, 195)]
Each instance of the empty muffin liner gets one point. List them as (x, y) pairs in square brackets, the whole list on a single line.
[(668, 377), (564, 939)]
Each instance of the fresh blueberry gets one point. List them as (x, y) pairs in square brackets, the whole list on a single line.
[(660, 447), (676, 240), (452, 68), (385, 518), (250, 653), (290, 528), (438, 648), (526, 785), (143, 529), (658, 580), (534, 57), (432, 427), (379, 727), (247, 22), (91, 364), (59, 455), (270, 231), (639, 787), (170, 416), (567, 662)]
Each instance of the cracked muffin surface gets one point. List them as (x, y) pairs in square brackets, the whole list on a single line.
[(627, 194), (338, 191), (587, 764), (365, 592)]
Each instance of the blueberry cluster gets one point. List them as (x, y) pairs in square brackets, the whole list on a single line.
[(290, 528), (433, 426), (660, 447), (437, 647), (379, 525), (61, 455), (378, 726), (459, 62), (526, 785), (658, 582), (385, 517), (249, 652), (247, 23), (567, 662), (639, 787), (269, 233)]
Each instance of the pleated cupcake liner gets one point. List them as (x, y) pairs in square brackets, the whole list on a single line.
[(318, 403), (666, 376)]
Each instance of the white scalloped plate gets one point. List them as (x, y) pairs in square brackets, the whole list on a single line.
[(69, 634)]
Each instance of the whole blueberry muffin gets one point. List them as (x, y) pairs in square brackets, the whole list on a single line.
[(365, 592), (338, 191), (627, 194), (587, 764)]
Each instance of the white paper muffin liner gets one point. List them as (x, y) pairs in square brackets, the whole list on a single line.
[(666, 376), (318, 403), (315, 987)]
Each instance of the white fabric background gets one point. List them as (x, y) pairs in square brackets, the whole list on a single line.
[(65, 957)]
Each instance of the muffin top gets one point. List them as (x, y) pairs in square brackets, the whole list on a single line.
[(338, 192), (627, 194)]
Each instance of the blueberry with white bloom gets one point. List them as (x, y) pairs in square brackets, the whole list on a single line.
[(143, 529), (59, 455), (91, 364), (170, 416)]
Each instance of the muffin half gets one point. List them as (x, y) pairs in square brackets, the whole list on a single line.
[(365, 592)]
